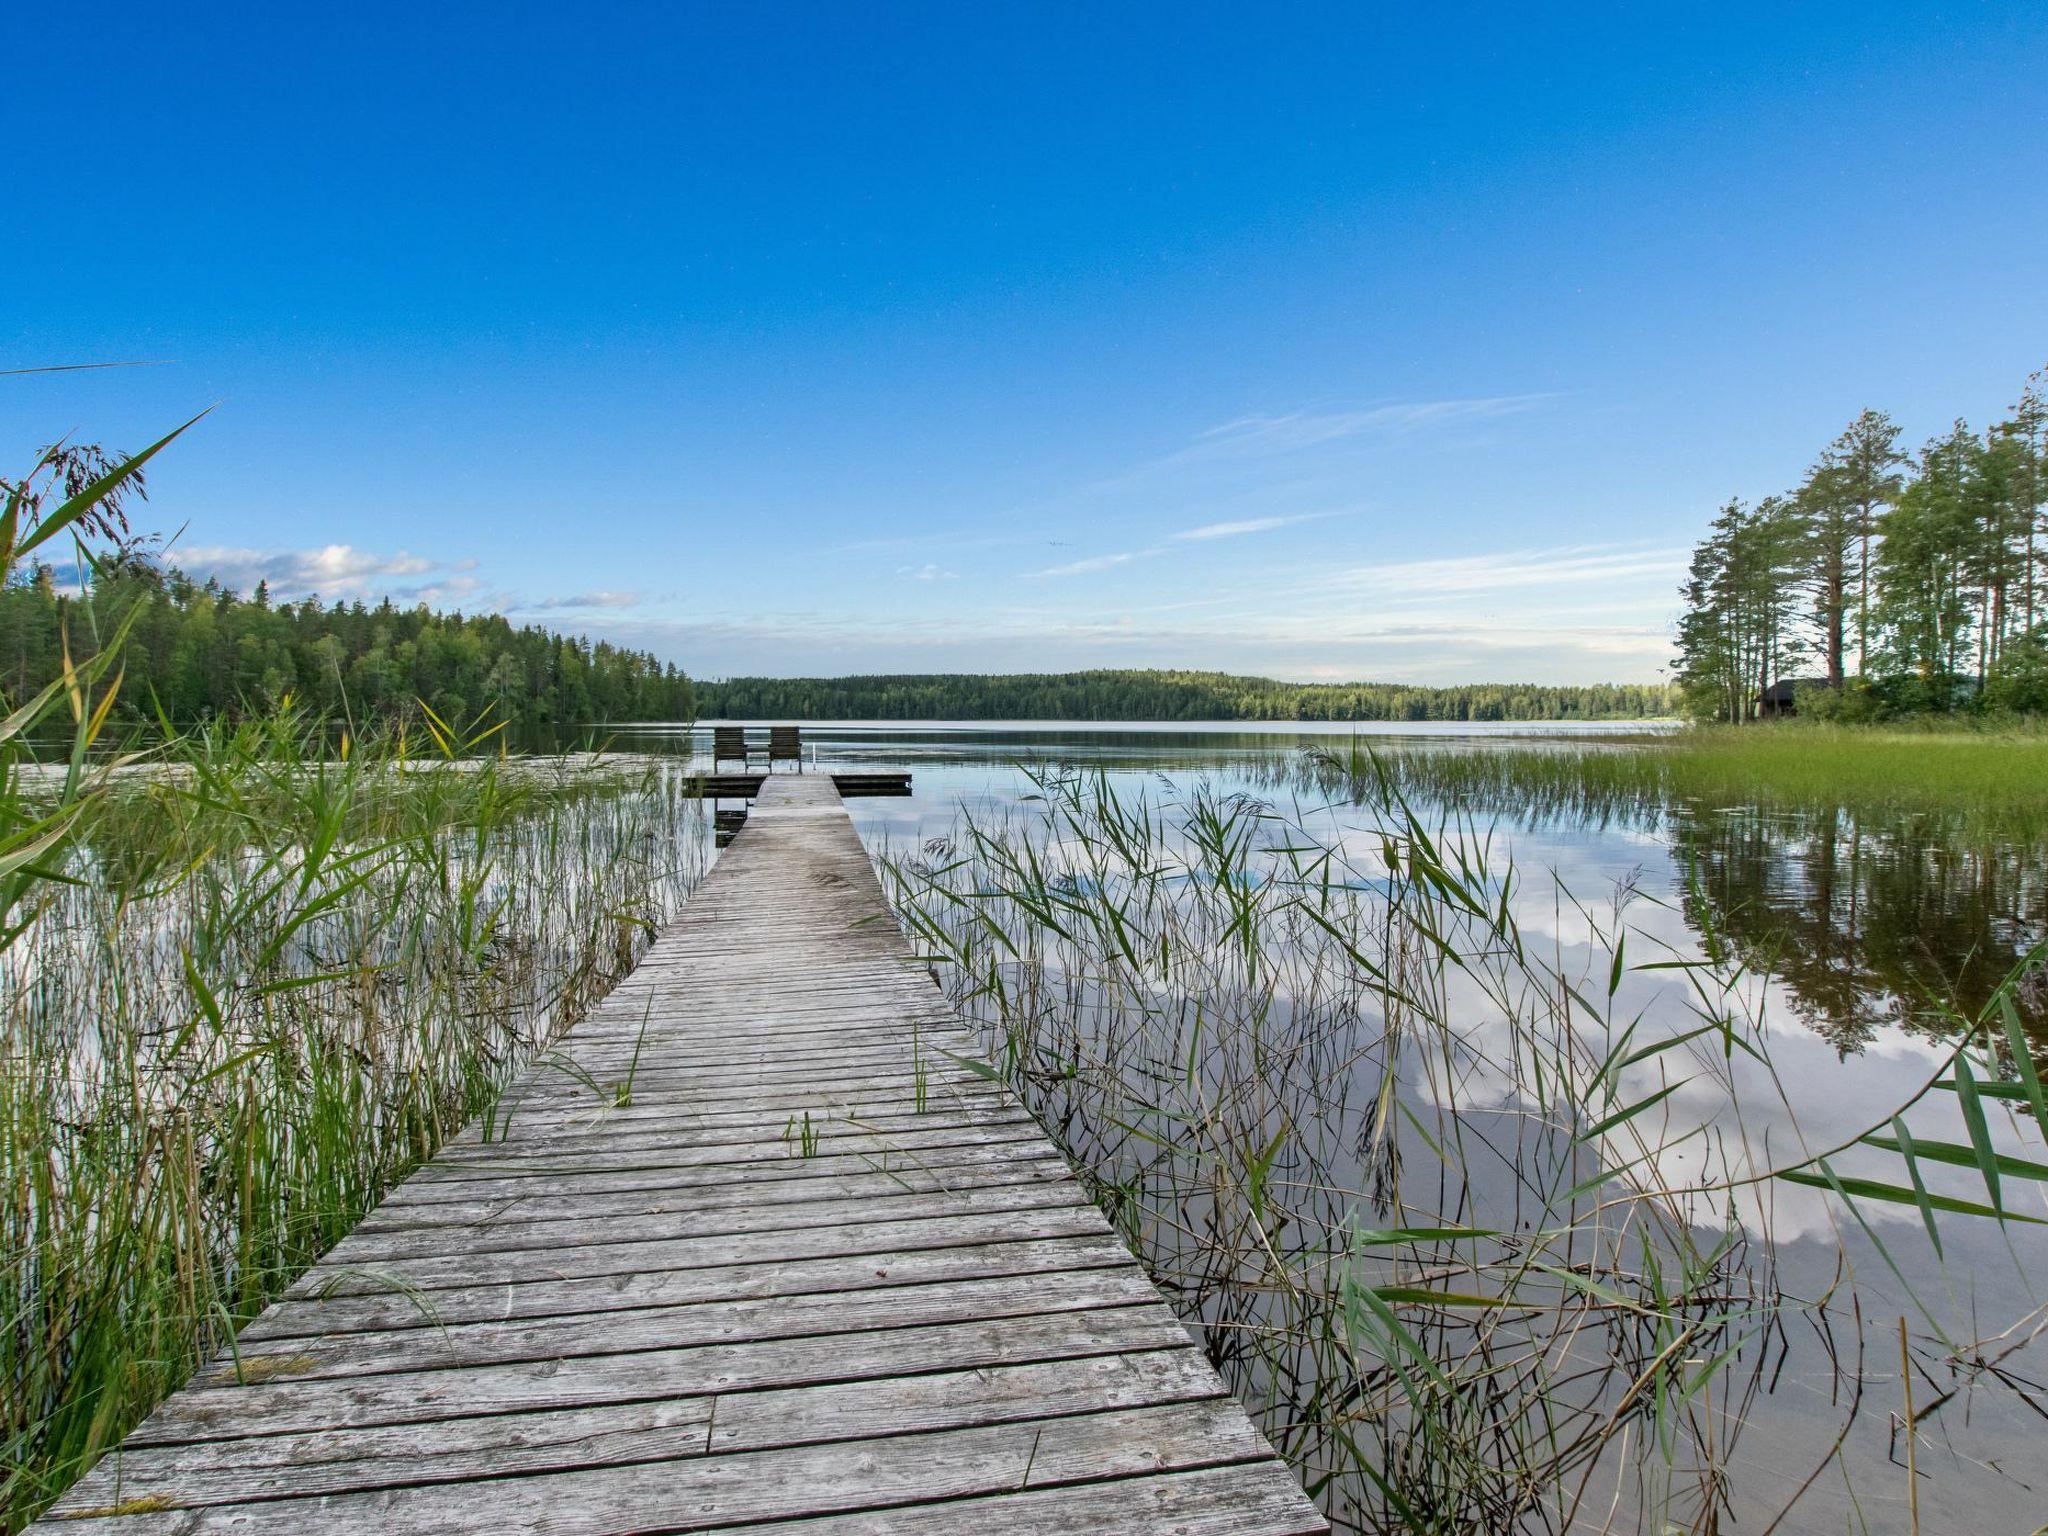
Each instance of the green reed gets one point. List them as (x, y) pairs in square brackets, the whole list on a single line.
[(271, 968), (1980, 786), (1421, 1182)]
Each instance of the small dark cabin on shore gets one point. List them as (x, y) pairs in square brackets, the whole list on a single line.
[(1780, 701)]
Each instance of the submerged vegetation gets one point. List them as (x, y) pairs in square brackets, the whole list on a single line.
[(1482, 1194)]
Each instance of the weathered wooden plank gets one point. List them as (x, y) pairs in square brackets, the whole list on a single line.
[(728, 1186), (702, 1133), (1252, 1499), (721, 1321), (841, 1141), (946, 1258), (935, 1126), (580, 1244), (754, 1165), (841, 1049), (703, 1493), (280, 1404), (623, 1102), (1060, 1215), (395, 1456)]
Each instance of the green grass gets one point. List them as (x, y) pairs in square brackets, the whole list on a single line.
[(1977, 784), (2000, 775)]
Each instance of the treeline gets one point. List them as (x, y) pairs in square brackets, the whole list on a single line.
[(1904, 584), (1155, 695), (198, 650)]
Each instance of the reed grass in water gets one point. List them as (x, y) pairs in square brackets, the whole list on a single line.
[(1432, 1193), (1972, 786), (253, 988)]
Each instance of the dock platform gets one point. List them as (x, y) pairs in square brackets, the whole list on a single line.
[(749, 1249)]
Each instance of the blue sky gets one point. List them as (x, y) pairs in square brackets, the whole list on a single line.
[(1316, 342)]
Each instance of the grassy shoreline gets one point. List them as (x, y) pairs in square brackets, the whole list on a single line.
[(1988, 784)]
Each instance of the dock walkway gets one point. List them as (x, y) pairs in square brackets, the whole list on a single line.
[(749, 1249)]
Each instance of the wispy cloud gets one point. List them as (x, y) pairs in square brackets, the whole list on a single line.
[(1254, 439), (926, 572), (583, 600), (1245, 525), (1247, 475), (1091, 563), (1569, 566), (1330, 644), (940, 540), (1294, 430), (330, 571)]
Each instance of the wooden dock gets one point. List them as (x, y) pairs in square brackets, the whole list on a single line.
[(749, 1250), (850, 782)]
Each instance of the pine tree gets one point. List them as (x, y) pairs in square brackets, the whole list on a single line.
[(1867, 458), (1739, 632), (1923, 569), (1831, 521), (2027, 434)]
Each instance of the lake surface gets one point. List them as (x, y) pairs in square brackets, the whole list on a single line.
[(1867, 918)]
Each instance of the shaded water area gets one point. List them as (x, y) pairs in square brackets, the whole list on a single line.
[(1855, 936)]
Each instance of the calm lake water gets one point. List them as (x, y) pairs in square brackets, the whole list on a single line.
[(1868, 916)]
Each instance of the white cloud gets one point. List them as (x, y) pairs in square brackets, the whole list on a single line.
[(1244, 525), (1091, 563), (1569, 566), (1260, 434), (580, 600), (330, 571), (926, 572)]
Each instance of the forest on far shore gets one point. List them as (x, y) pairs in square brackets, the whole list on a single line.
[(1159, 695), (197, 651)]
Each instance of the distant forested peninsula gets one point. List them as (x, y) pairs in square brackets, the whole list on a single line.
[(197, 650), (1155, 695)]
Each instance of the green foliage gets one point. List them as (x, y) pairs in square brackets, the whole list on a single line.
[(1944, 568), (1741, 595), (197, 651), (1162, 695), (2018, 684)]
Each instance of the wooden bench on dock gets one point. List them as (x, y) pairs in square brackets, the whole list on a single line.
[(788, 1265)]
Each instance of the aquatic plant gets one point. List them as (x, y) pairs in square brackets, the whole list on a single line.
[(1479, 1232)]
